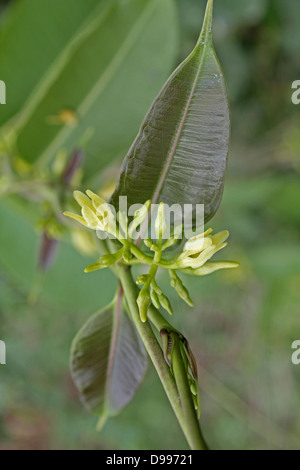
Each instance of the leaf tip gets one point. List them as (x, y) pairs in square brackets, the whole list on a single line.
[(206, 32)]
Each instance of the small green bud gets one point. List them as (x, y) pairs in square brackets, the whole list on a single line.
[(105, 261), (144, 302), (165, 303), (195, 401), (142, 279), (191, 359), (148, 242), (193, 388), (155, 287), (154, 298), (127, 255), (181, 290)]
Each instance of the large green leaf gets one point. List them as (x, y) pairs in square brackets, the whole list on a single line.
[(106, 76), (180, 153), (36, 39), (108, 361)]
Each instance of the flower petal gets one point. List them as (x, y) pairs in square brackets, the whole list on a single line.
[(197, 245), (82, 199), (210, 267), (220, 237), (90, 217), (76, 217), (96, 199)]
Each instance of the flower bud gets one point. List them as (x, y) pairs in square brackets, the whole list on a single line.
[(127, 255), (142, 279), (155, 287), (165, 303), (181, 290), (139, 217), (144, 302), (148, 242), (154, 298), (104, 261), (160, 222), (193, 388)]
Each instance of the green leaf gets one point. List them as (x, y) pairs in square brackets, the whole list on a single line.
[(180, 153), (108, 361), (36, 39), (104, 77)]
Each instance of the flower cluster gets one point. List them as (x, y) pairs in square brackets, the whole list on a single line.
[(194, 258)]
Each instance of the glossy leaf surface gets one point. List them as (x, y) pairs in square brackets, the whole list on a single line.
[(108, 362), (180, 153)]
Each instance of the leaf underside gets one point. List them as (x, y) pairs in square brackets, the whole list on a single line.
[(108, 362), (180, 153)]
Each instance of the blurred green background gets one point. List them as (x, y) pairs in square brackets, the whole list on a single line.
[(84, 72)]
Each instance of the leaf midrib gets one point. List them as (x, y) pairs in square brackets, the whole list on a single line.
[(40, 90), (104, 79), (166, 168), (207, 39), (113, 348)]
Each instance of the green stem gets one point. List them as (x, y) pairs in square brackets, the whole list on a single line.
[(178, 392), (197, 441), (131, 291)]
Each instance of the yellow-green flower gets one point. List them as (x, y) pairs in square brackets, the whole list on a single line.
[(96, 214), (199, 249), (194, 259)]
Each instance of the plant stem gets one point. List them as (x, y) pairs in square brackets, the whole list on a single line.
[(190, 427), (131, 292), (196, 438)]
